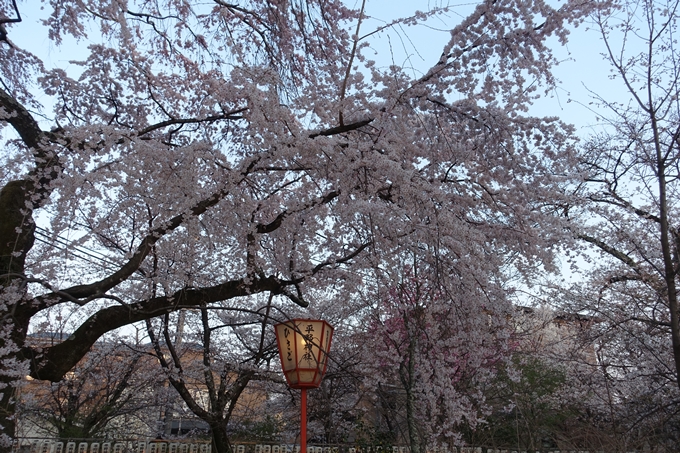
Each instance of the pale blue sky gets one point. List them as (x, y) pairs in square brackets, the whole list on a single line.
[(582, 65)]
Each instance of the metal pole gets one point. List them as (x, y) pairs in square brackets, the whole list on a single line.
[(303, 421)]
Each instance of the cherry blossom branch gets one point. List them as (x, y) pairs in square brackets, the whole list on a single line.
[(626, 204), (263, 228), (342, 260), (242, 13), (25, 125), (140, 254), (610, 250), (53, 362), (177, 383), (623, 203), (352, 54), (3, 31), (342, 128), (233, 115), (148, 18)]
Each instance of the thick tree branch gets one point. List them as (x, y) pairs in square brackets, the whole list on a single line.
[(97, 289), (19, 197), (47, 165), (53, 362)]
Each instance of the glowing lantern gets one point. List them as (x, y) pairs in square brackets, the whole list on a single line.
[(303, 347)]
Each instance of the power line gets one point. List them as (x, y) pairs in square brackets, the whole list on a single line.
[(92, 256)]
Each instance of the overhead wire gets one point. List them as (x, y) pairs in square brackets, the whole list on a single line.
[(92, 256)]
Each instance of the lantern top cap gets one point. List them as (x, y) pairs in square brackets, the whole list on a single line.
[(295, 320)]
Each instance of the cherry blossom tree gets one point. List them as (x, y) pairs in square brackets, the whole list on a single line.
[(202, 152), (631, 217), (209, 368), (435, 353), (113, 386), (336, 407), (548, 395)]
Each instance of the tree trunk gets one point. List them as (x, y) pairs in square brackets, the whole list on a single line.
[(220, 439), (408, 380), (13, 364), (12, 370), (16, 239), (7, 411), (670, 271)]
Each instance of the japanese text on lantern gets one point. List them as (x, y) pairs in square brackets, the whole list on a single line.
[(289, 352), (309, 343)]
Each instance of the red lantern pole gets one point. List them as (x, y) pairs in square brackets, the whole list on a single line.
[(303, 420)]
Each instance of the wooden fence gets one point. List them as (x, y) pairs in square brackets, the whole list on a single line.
[(197, 446)]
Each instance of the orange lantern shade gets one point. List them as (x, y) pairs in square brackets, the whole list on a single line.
[(303, 347)]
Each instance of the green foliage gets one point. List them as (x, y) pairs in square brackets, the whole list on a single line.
[(368, 435), (267, 429), (527, 411)]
